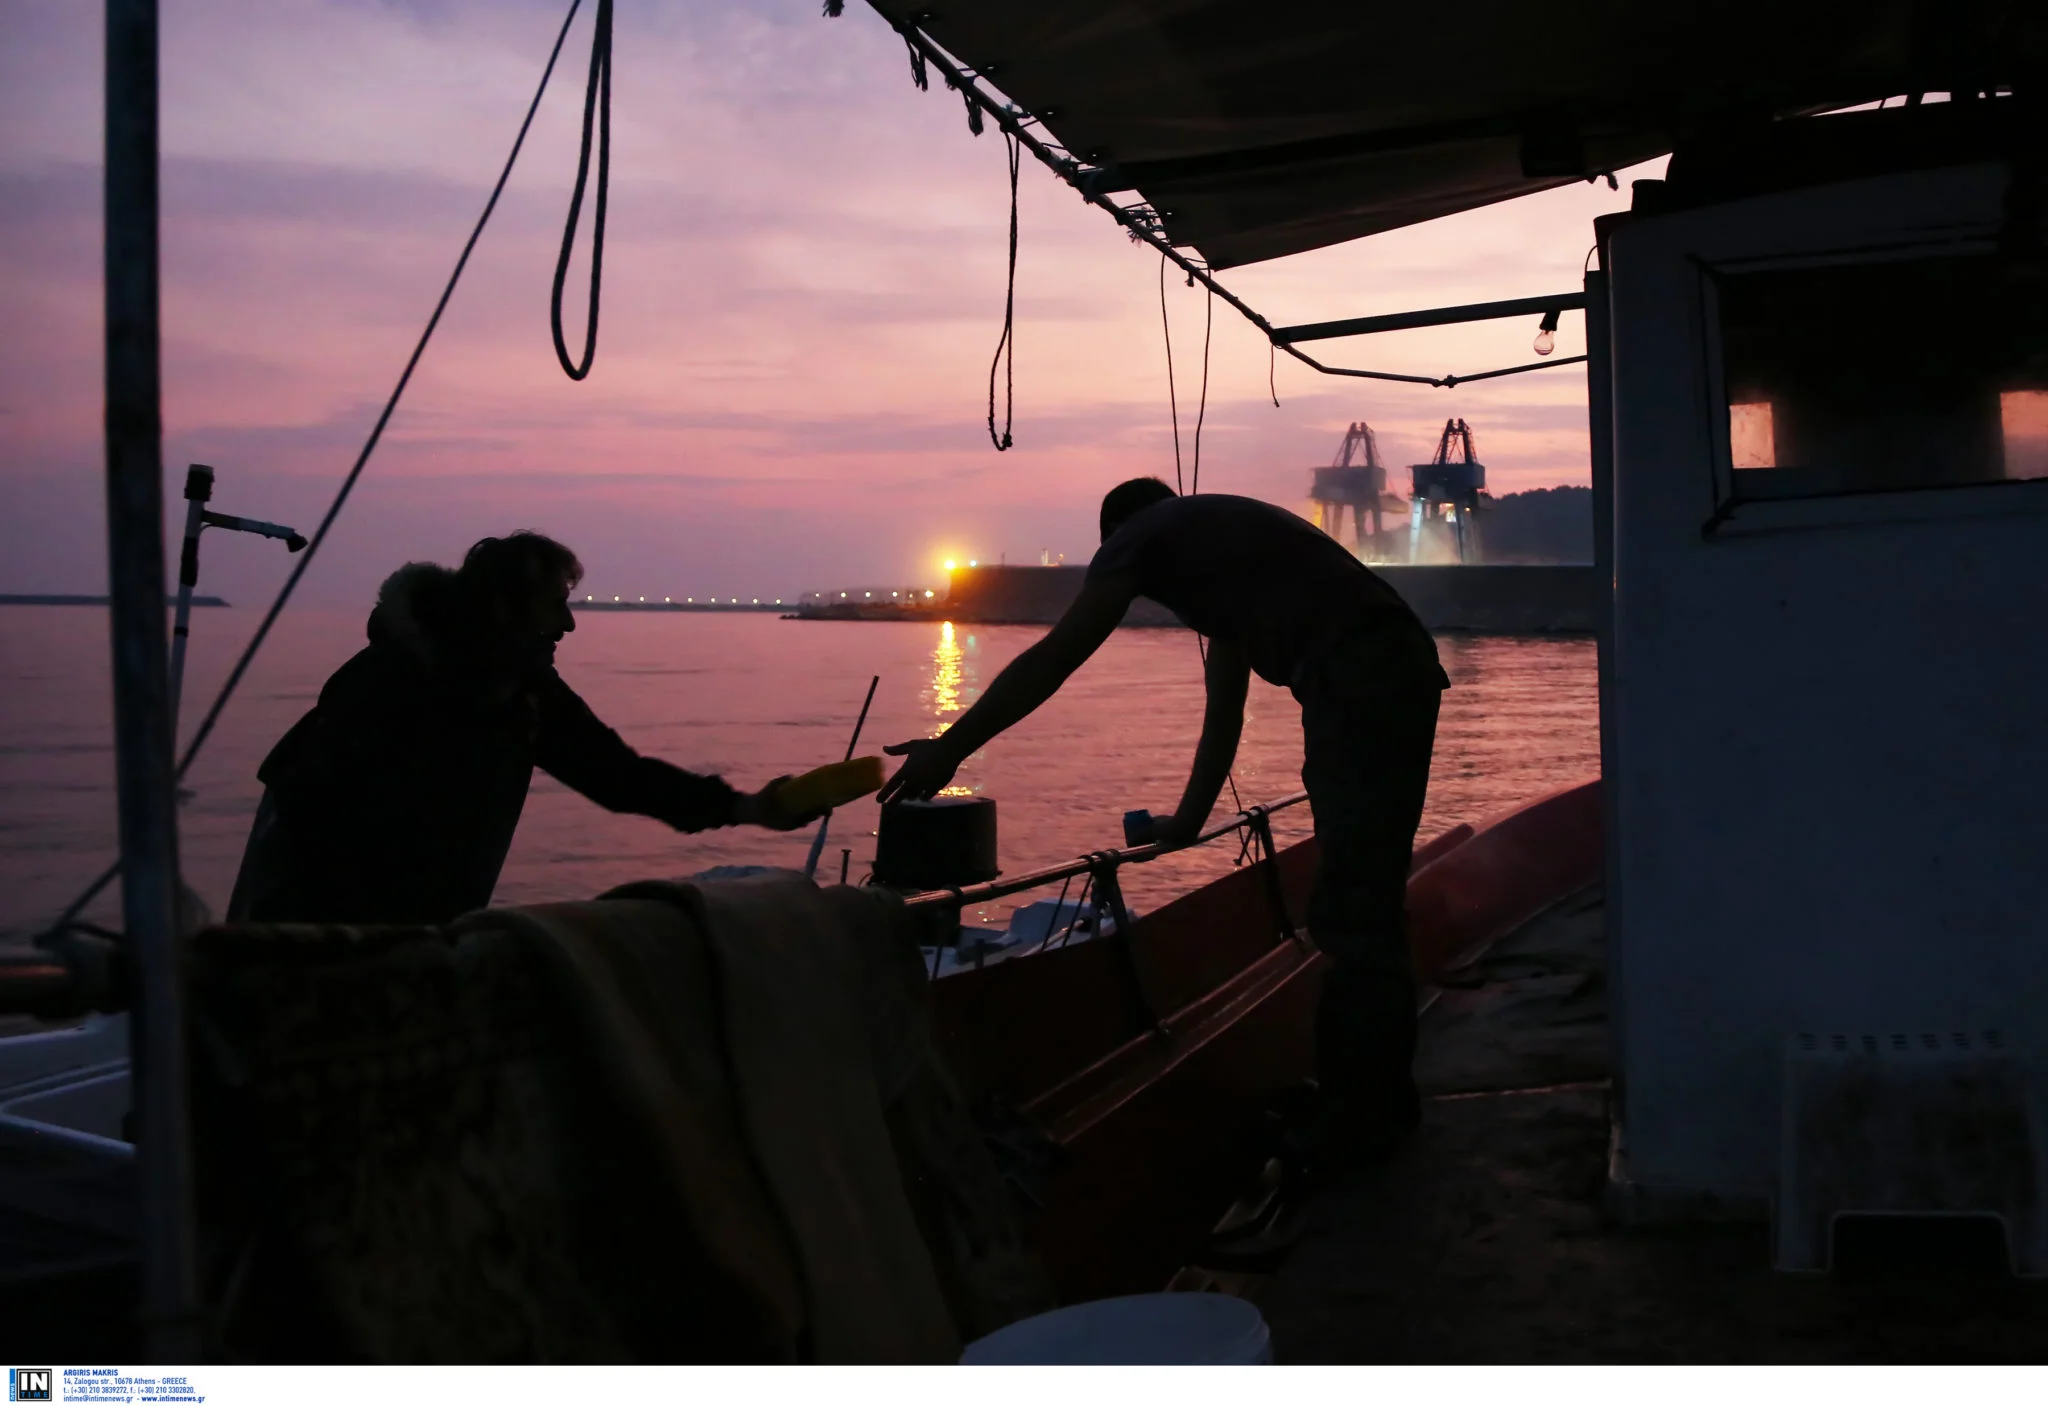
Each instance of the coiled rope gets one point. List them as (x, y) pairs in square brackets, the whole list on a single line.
[(597, 104)]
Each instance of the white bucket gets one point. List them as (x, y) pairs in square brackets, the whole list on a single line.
[(1148, 1330)]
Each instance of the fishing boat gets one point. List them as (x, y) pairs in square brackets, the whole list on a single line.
[(1817, 356), (1817, 377)]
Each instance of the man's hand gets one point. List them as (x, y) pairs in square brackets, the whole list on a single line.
[(928, 766), (1142, 827), (1027, 681), (763, 809)]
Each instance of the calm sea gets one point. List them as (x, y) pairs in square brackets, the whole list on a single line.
[(752, 697)]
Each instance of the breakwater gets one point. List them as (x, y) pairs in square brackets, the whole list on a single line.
[(1535, 599), (1539, 599)]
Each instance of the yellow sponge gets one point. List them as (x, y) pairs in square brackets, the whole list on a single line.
[(830, 786)]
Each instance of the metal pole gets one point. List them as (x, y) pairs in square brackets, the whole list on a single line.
[(1427, 317), (142, 734), (198, 488), (1600, 426), (1261, 823)]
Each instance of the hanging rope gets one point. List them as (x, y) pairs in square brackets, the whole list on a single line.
[(1172, 404), (1195, 484), (1195, 477), (597, 104), (1173, 409), (1202, 408), (348, 483), (1006, 345), (1272, 358)]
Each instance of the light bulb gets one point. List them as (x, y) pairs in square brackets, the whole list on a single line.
[(1546, 342)]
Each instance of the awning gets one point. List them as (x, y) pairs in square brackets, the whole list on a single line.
[(1257, 128)]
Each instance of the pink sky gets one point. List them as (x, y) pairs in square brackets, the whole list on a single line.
[(803, 286)]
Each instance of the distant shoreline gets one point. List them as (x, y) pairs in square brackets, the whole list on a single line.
[(719, 606), (214, 601), (1485, 598)]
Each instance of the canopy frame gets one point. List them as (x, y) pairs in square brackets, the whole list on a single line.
[(1143, 225)]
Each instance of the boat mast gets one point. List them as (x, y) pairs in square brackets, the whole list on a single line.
[(142, 730)]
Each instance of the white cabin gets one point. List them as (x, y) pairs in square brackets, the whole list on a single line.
[(1825, 701)]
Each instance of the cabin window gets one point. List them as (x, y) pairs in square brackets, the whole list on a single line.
[(1881, 376)]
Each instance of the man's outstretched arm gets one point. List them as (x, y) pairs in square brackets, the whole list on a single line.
[(1032, 677), (583, 754), (1227, 678)]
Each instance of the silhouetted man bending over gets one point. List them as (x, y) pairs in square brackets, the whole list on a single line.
[(395, 799), (1274, 595)]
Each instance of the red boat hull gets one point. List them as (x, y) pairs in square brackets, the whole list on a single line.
[(1145, 1115)]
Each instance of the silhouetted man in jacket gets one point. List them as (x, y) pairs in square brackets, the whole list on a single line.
[(394, 800), (1276, 596)]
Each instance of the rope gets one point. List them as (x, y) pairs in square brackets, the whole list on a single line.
[(291, 583), (1172, 404), (1058, 904), (1006, 345), (1173, 408), (1081, 902), (1202, 407), (1195, 486), (1272, 361), (597, 103)]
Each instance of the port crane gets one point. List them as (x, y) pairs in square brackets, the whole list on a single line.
[(1355, 479), (1448, 490)]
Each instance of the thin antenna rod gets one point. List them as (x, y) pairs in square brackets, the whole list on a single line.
[(825, 821)]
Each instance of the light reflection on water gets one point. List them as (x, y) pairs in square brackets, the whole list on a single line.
[(948, 672), (753, 697)]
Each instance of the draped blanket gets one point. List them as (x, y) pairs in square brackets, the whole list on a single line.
[(683, 1123)]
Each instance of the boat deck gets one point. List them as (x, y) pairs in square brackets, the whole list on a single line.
[(1487, 1240)]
